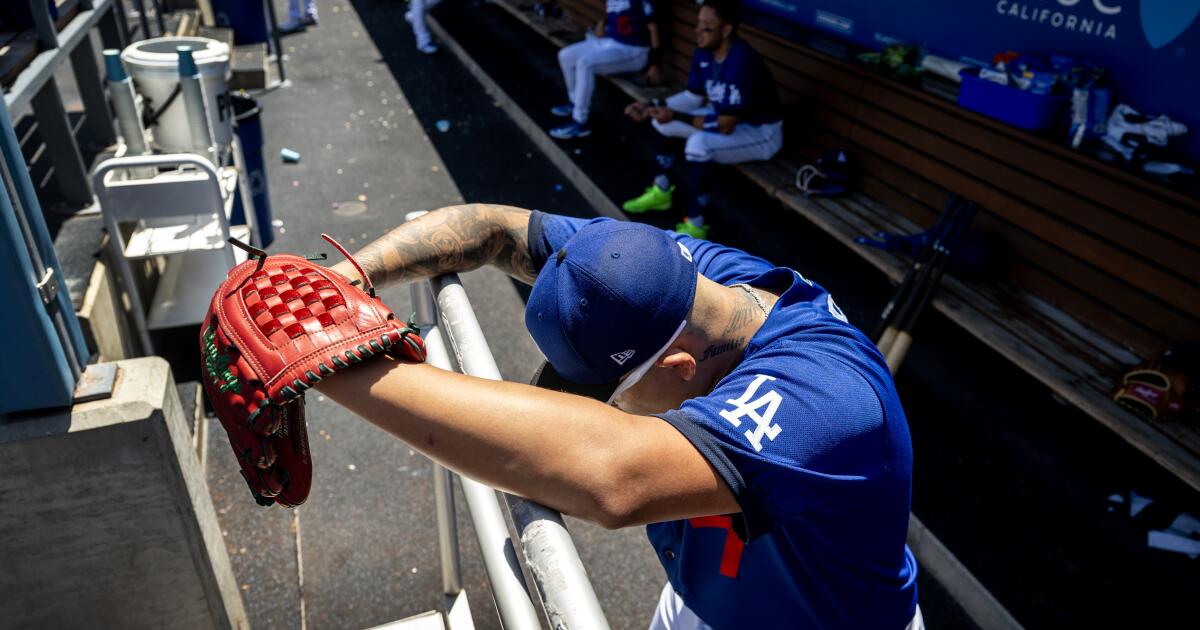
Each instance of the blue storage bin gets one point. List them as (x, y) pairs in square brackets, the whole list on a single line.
[(247, 18), (1015, 107)]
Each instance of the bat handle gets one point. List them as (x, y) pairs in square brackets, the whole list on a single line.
[(886, 340), (899, 348)]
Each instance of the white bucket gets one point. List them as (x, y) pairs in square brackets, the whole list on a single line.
[(154, 66)]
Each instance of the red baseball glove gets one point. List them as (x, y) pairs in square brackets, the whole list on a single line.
[(277, 325)]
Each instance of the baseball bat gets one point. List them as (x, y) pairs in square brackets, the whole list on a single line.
[(907, 319), (884, 332)]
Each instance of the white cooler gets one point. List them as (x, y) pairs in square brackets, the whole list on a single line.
[(154, 66)]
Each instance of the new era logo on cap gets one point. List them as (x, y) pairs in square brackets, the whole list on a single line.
[(622, 357), (612, 280)]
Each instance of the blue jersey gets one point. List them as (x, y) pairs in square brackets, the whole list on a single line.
[(740, 85), (627, 21), (808, 433)]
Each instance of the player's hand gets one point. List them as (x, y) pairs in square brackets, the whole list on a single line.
[(662, 114), (654, 74), (638, 111)]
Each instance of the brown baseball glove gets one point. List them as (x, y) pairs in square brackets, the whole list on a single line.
[(276, 326), (1164, 388)]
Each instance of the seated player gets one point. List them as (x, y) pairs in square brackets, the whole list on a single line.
[(626, 41), (728, 114)]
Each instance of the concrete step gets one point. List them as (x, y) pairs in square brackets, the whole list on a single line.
[(459, 617), (431, 620)]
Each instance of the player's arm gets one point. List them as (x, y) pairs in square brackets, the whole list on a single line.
[(450, 240), (573, 454), (726, 123)]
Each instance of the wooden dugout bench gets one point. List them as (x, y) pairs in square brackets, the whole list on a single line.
[(1105, 265)]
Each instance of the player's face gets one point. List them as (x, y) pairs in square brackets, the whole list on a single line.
[(709, 29)]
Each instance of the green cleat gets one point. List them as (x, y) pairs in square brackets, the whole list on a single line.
[(694, 231), (654, 198)]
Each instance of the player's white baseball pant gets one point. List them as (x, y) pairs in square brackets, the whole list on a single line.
[(688, 103), (673, 614), (746, 144), (419, 8), (302, 8), (582, 61)]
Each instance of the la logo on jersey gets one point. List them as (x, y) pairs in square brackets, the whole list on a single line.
[(722, 92), (760, 410), (621, 357)]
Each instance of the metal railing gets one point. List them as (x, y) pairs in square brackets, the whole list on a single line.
[(36, 86), (454, 341)]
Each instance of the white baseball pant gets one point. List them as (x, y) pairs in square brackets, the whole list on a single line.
[(673, 614), (747, 143), (582, 61), (420, 29)]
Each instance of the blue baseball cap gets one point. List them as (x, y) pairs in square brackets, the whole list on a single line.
[(610, 301)]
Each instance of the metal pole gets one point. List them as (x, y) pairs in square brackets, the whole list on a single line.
[(141, 9), (158, 14), (443, 495), (120, 89), (275, 38), (91, 91), (443, 484), (120, 26), (44, 24), (499, 556), (567, 594), (193, 104)]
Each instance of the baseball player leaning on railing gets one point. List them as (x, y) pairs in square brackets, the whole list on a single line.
[(755, 432)]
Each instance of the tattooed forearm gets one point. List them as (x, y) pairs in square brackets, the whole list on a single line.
[(451, 240)]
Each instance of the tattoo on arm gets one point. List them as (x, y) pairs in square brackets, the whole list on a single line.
[(451, 240)]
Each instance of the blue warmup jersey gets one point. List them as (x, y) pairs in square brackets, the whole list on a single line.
[(741, 85), (808, 433), (627, 21)]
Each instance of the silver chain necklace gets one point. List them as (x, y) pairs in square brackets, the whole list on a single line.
[(757, 300)]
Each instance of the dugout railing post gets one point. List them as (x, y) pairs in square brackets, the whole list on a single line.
[(443, 482), (567, 596)]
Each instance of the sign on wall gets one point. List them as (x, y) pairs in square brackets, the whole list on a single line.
[(1151, 47)]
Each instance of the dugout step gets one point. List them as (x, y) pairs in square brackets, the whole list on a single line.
[(458, 617)]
